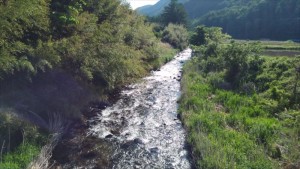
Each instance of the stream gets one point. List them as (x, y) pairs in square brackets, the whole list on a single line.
[(142, 129)]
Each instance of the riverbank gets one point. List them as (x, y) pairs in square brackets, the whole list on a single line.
[(251, 125)]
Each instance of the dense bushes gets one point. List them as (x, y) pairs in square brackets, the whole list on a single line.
[(57, 56), (176, 35), (101, 44), (236, 105)]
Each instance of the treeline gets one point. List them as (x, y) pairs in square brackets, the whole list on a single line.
[(241, 109), (256, 19), (260, 19)]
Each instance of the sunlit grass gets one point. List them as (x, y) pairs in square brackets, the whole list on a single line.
[(228, 129), (20, 157)]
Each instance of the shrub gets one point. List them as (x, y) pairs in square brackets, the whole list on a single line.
[(176, 35)]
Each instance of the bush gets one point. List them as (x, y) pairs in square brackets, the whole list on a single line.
[(239, 63), (176, 35)]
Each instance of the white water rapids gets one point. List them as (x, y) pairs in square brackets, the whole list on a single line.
[(143, 124)]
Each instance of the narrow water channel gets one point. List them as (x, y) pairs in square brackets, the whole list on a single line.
[(144, 124), (141, 130)]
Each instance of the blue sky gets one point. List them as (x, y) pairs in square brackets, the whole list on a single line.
[(137, 3)]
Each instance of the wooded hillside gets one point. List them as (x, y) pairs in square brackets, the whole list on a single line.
[(256, 19)]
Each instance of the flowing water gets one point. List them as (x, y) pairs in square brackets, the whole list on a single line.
[(143, 124)]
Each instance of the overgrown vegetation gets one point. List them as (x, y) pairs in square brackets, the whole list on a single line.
[(57, 56), (100, 44), (176, 35), (171, 25), (241, 109), (20, 141), (174, 13)]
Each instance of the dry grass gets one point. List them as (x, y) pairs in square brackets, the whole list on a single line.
[(57, 126)]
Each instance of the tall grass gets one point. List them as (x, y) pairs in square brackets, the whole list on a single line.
[(42, 161), (57, 126), (232, 130), (28, 152)]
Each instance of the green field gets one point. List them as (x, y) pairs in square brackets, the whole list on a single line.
[(276, 45)]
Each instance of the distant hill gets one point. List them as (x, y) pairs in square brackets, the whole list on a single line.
[(255, 19), (244, 19)]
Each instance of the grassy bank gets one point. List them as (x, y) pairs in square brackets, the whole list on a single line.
[(241, 109), (166, 54), (229, 129)]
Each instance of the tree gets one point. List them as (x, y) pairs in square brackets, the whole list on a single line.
[(205, 35), (242, 63), (174, 13)]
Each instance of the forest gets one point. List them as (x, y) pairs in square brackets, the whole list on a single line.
[(257, 19)]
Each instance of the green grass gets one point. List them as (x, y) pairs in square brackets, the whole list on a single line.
[(21, 157), (20, 141), (228, 129)]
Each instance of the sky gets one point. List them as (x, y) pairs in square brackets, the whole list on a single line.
[(138, 3)]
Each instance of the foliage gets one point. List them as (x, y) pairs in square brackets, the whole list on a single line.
[(257, 19), (240, 108), (206, 35), (21, 157), (176, 35), (20, 141), (166, 52), (24, 37), (216, 125), (242, 63), (57, 56), (101, 44), (260, 19), (174, 13)]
